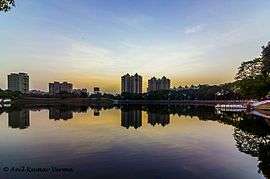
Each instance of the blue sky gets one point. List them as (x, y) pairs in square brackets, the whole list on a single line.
[(95, 42)]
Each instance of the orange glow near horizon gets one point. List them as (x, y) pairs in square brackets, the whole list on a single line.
[(111, 83)]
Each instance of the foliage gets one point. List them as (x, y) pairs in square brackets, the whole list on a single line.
[(131, 96), (201, 92), (7, 94), (157, 95), (266, 60), (104, 95), (249, 69), (253, 88), (253, 79), (5, 5)]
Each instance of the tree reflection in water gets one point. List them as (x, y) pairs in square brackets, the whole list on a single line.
[(252, 136), (255, 146), (251, 133)]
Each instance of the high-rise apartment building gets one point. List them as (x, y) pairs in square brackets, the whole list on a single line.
[(18, 82), (125, 84), (155, 84), (131, 84), (57, 87)]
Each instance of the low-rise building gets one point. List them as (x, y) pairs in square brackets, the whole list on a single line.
[(57, 87)]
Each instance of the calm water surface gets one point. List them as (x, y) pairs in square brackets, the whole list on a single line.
[(182, 142)]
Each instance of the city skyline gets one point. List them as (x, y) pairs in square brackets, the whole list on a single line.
[(191, 42), (129, 83)]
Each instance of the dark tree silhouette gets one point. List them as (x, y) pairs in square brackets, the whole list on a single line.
[(5, 5), (253, 79), (266, 60), (249, 69), (256, 146)]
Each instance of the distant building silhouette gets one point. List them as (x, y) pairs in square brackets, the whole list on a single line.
[(19, 119), (158, 118), (96, 90), (58, 113), (18, 82), (131, 84), (38, 92), (131, 118), (80, 91), (155, 84), (57, 87)]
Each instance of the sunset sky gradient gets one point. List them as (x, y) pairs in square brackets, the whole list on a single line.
[(94, 42)]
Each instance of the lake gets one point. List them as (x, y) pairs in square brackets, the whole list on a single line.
[(133, 142)]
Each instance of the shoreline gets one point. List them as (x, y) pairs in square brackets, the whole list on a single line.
[(181, 102), (105, 101)]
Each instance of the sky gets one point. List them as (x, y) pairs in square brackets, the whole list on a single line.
[(94, 42)]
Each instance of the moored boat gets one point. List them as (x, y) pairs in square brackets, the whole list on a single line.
[(230, 106)]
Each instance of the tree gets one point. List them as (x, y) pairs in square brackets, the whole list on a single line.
[(249, 69), (7, 94), (266, 60), (253, 88), (253, 76), (5, 5)]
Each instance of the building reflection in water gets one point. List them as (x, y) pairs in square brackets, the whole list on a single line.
[(251, 133), (131, 118), (58, 113), (96, 112), (19, 119), (158, 118)]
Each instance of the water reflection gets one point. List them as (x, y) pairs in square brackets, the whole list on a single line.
[(158, 119), (251, 133), (256, 146), (131, 118), (60, 113), (19, 119), (97, 111), (252, 136)]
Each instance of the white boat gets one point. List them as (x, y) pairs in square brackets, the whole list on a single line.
[(7, 101), (7, 105), (230, 106)]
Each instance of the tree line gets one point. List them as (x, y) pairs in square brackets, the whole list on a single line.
[(252, 78), (7, 94)]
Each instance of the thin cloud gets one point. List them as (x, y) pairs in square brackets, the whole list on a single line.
[(137, 22), (193, 29)]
